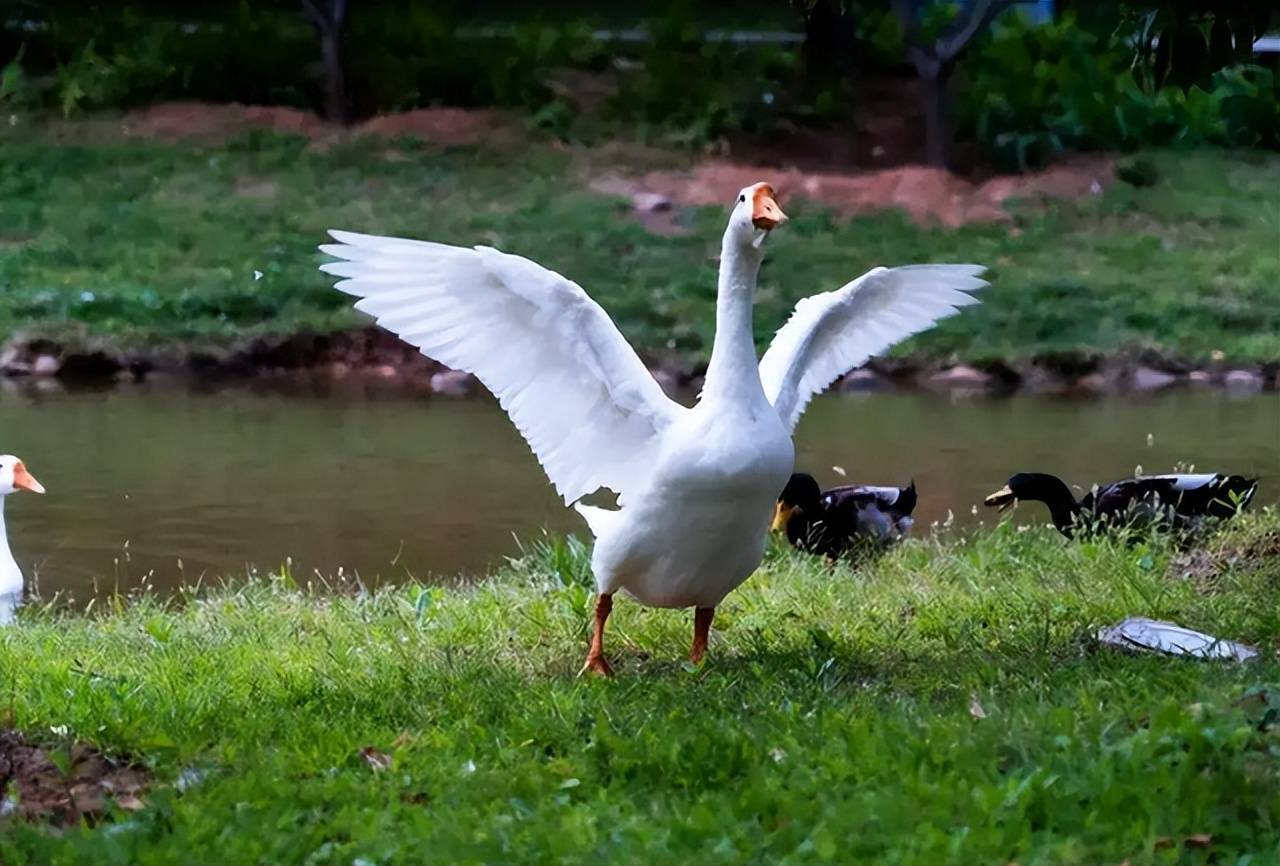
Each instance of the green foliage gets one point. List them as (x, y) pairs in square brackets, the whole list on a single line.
[(412, 55), (109, 57), (687, 89), (1183, 43), (946, 704), (151, 244), (1036, 90), (15, 91)]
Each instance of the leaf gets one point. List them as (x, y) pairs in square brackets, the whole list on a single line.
[(1221, 49), (1243, 28), (1190, 55), (422, 606), (1199, 840), (378, 761)]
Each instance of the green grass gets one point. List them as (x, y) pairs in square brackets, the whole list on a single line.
[(831, 723), (154, 245)]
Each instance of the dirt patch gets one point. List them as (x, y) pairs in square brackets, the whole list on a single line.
[(1204, 565), (927, 194), (64, 786), (199, 120), (178, 120), (257, 187), (448, 126)]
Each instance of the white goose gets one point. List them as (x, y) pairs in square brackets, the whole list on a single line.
[(696, 486), (13, 477)]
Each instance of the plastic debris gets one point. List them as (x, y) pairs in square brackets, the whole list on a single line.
[(1142, 634)]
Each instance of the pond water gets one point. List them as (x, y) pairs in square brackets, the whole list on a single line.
[(178, 485)]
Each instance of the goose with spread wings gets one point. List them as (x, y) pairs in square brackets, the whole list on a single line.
[(696, 486)]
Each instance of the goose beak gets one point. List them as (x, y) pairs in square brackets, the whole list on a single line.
[(781, 516), (765, 213), (1002, 498), (24, 480)]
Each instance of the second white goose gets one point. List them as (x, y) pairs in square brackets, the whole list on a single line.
[(13, 477)]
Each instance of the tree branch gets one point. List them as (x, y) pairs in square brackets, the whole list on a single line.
[(950, 45), (315, 14), (905, 11), (330, 18)]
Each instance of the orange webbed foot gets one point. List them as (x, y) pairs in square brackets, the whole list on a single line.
[(596, 664)]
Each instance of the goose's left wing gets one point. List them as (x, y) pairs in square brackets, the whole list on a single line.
[(831, 333)]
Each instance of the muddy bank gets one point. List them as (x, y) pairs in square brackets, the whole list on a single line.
[(65, 785), (928, 195), (373, 354)]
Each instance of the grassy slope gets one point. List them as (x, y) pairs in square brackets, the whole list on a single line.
[(832, 722), (157, 244)]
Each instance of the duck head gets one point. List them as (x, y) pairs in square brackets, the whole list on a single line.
[(755, 214), (14, 477), (1033, 487), (802, 492)]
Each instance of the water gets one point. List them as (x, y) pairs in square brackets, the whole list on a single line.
[(178, 485)]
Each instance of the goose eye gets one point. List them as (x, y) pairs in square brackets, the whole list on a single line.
[(741, 198)]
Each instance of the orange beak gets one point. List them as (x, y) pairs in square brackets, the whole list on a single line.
[(24, 480), (765, 213)]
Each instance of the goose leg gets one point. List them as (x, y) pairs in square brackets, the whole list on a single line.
[(702, 617), (596, 662)]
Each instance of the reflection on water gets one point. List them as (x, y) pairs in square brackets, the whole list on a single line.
[(185, 485)]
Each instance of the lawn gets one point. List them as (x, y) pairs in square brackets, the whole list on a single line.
[(165, 247), (945, 704)]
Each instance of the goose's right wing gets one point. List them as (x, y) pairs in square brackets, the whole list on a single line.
[(572, 385)]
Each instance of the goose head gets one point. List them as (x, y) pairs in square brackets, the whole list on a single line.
[(755, 214), (14, 477), (802, 492)]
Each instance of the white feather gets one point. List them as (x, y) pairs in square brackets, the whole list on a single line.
[(886, 496), (831, 333), (1183, 481), (572, 385)]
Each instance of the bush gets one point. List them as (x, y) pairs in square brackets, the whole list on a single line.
[(690, 89), (1034, 90)]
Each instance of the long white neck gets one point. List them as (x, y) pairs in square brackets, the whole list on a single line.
[(10, 575), (732, 372)]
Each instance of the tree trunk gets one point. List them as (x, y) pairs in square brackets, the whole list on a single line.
[(335, 87), (933, 102)]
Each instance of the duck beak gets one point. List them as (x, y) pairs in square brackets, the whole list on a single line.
[(781, 516), (1002, 498), (765, 213), (24, 480)]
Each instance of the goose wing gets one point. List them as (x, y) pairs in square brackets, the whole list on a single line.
[(558, 365), (831, 333)]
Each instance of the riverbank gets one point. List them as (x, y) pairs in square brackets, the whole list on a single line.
[(377, 359), (947, 703), (124, 254)]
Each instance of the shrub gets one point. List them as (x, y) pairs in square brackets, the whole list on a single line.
[(690, 89), (1033, 90)]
